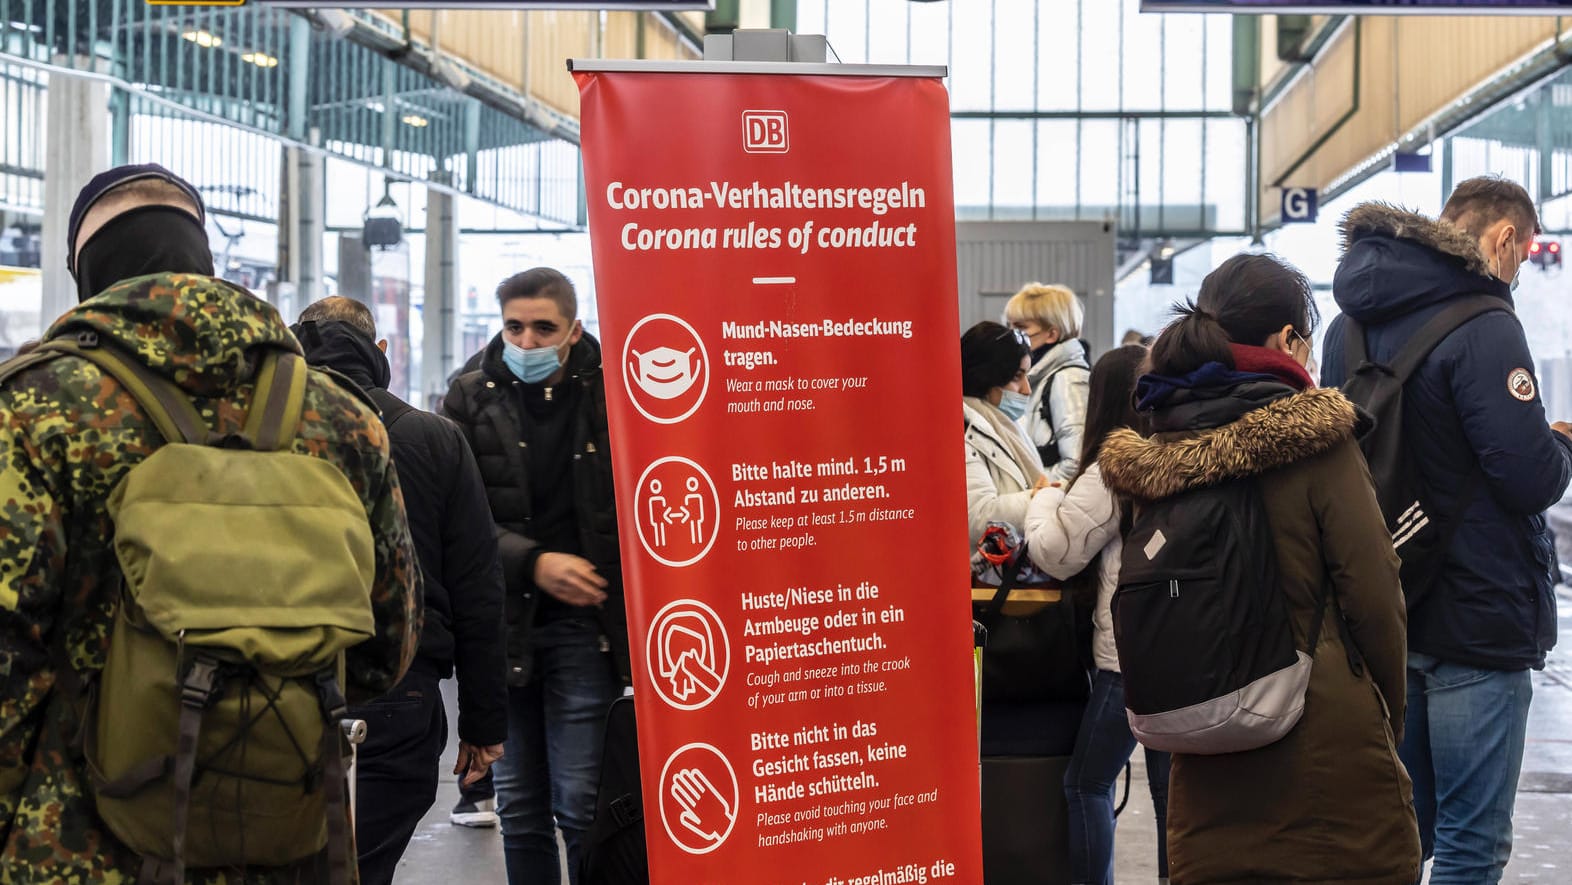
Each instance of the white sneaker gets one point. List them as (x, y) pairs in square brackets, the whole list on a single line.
[(474, 814)]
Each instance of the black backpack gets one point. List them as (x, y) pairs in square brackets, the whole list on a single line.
[(1419, 534), (614, 849), (1205, 641)]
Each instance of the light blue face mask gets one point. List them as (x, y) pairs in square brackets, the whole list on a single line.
[(1516, 275), (1014, 404), (532, 365)]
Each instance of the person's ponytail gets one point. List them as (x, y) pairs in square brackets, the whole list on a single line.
[(1190, 342)]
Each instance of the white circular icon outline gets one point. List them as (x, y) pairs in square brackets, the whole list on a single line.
[(629, 384), (639, 523), (651, 649), (736, 796)]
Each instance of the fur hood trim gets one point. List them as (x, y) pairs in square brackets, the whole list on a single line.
[(1281, 433), (1384, 219)]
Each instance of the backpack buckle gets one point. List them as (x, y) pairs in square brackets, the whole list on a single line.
[(625, 810), (333, 703), (87, 338), (196, 689)]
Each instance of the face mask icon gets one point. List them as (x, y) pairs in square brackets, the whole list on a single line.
[(665, 372)]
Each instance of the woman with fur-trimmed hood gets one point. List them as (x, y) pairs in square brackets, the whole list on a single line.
[(1230, 398)]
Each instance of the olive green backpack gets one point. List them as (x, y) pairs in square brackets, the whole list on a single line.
[(212, 736)]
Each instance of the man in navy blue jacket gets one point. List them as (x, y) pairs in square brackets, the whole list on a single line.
[(1476, 426)]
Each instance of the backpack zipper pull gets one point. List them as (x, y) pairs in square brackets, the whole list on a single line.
[(1173, 589)]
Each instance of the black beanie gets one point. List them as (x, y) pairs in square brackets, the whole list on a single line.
[(104, 182)]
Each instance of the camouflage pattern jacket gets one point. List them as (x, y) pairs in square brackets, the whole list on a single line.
[(68, 433)]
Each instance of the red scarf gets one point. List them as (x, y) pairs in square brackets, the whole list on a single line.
[(1266, 361)]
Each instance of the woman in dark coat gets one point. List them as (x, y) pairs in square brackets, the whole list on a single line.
[(1230, 398)]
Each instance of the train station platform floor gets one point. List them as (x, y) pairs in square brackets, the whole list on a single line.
[(1541, 852)]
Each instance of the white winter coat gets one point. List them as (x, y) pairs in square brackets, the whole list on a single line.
[(1065, 530), (999, 479), (1062, 378)]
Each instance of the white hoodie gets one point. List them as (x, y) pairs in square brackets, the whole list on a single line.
[(1065, 530)]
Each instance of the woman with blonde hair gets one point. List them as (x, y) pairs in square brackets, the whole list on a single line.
[(1060, 374)]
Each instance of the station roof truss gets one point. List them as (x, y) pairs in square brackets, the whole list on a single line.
[(348, 83)]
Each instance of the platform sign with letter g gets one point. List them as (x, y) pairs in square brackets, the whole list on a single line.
[(1299, 205)]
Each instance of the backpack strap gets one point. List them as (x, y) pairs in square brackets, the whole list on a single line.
[(1046, 383), (170, 410), (277, 402), (20, 363), (1449, 319), (196, 691), (335, 776)]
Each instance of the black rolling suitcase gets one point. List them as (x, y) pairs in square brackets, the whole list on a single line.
[(614, 852)]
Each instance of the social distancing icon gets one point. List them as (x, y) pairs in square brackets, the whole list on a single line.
[(687, 654), (677, 511), (698, 798), (665, 368)]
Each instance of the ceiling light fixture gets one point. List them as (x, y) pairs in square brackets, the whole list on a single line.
[(204, 39), (260, 59)]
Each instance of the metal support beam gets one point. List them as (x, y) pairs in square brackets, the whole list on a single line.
[(389, 113), (1253, 180), (1545, 146), (723, 19), (299, 77), (1448, 167), (471, 145), (1247, 62), (439, 314), (120, 127), (783, 14)]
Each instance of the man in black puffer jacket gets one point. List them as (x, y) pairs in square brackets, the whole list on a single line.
[(396, 774), (535, 414)]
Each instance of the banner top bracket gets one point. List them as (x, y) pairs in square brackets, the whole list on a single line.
[(627, 66)]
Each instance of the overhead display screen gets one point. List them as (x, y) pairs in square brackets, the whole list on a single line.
[(1371, 7)]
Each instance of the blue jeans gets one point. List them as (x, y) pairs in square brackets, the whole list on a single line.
[(1463, 746), (396, 770), (1102, 747), (549, 774)]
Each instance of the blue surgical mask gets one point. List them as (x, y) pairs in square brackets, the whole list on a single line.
[(532, 365), (1014, 404)]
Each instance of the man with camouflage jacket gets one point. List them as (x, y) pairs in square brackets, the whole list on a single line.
[(68, 434)]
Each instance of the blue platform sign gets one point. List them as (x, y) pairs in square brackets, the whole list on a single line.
[(1299, 205)]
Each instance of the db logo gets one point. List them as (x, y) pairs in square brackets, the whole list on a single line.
[(764, 132)]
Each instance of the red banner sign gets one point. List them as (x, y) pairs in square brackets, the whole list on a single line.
[(775, 265)]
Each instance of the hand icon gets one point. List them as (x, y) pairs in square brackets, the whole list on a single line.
[(704, 812), (691, 674)]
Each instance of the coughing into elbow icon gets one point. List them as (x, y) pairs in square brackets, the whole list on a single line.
[(687, 655)]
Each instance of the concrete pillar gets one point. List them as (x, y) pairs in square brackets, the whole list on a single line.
[(300, 229), (439, 353), (302, 206), (354, 268), (77, 147)]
